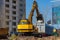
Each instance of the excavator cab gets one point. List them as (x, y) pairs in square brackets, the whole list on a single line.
[(23, 22)]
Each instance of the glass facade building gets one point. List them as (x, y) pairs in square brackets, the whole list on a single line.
[(56, 15)]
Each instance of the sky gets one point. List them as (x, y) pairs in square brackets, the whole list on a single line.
[(44, 7)]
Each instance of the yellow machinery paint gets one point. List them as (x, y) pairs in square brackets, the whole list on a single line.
[(24, 26)]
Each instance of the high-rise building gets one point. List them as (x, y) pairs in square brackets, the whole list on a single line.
[(11, 12), (56, 14)]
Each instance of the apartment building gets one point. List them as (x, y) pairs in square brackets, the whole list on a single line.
[(11, 12)]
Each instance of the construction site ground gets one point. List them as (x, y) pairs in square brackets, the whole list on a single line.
[(33, 38), (36, 38)]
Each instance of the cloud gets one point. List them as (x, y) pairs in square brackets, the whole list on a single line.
[(54, 0)]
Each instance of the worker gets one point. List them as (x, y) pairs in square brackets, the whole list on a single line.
[(55, 32)]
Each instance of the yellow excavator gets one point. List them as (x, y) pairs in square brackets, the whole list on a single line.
[(26, 25)]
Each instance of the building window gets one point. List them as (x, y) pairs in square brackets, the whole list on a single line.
[(21, 0), (21, 5), (14, 23), (6, 11), (14, 18), (14, 7), (7, 17), (7, 0), (7, 22), (7, 5), (21, 15), (21, 9), (14, 12), (14, 1)]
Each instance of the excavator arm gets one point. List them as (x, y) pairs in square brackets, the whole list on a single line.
[(31, 13), (39, 16)]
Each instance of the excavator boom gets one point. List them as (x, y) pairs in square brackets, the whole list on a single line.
[(39, 16), (31, 13)]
